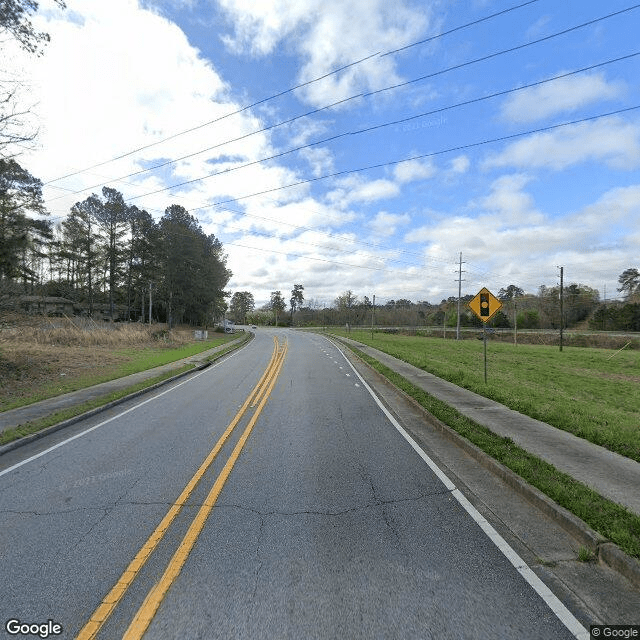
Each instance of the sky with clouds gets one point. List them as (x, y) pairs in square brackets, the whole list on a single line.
[(355, 144)]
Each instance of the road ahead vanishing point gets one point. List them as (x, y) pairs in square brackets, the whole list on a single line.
[(268, 496)]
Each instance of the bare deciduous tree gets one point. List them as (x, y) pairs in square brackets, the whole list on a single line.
[(16, 126)]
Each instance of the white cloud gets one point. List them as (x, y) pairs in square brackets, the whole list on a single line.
[(103, 90), (328, 34), (460, 164), (386, 224), (610, 140), (562, 95), (508, 200), (357, 189), (320, 160), (413, 170), (527, 251)]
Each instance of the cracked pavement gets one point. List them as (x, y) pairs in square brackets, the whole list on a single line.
[(330, 525)]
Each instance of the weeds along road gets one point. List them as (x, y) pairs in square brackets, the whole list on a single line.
[(315, 518)]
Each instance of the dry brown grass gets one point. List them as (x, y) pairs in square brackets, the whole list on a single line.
[(82, 332), (38, 353)]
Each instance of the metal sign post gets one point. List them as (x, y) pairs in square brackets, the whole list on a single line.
[(484, 340), (485, 305)]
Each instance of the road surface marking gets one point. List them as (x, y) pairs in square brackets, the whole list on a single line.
[(111, 600), (149, 607), (119, 415), (561, 612)]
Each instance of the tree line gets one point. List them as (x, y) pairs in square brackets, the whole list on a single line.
[(106, 252), (581, 306), (242, 307)]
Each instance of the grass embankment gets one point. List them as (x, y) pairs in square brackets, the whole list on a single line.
[(614, 522), (592, 393), (44, 367), (9, 435), (41, 358), (73, 358)]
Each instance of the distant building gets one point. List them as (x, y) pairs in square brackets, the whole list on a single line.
[(45, 305)]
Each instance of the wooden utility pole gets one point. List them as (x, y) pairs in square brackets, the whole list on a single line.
[(561, 304), (373, 311), (459, 296)]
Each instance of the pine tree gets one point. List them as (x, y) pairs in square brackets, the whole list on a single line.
[(111, 216), (20, 193)]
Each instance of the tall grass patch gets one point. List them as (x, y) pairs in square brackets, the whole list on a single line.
[(51, 357)]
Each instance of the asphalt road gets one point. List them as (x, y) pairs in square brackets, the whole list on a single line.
[(329, 525)]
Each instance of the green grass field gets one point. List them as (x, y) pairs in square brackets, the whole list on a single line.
[(592, 393)]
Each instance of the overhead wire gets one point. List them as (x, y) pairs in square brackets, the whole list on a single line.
[(412, 117), (390, 163), (381, 125), (290, 90), (511, 136), (389, 124)]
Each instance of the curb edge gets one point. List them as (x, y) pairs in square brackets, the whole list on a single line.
[(608, 553)]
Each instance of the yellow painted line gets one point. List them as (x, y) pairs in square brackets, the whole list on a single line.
[(111, 600), (273, 364), (149, 607)]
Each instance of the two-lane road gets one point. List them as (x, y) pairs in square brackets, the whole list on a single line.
[(314, 517)]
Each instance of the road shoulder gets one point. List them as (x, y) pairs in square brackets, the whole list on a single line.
[(596, 593), (126, 389)]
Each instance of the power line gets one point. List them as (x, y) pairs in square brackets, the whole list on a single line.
[(396, 162), (504, 51), (290, 90), (340, 135), (450, 31)]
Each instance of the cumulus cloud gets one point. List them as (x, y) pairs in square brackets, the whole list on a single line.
[(611, 140), (460, 164), (527, 252), (328, 34), (357, 189), (103, 90), (560, 96), (508, 200), (413, 170), (386, 224)]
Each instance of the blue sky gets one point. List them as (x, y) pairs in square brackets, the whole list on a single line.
[(122, 75)]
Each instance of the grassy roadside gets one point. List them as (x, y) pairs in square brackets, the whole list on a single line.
[(131, 360), (35, 426), (592, 393), (29, 428), (614, 522)]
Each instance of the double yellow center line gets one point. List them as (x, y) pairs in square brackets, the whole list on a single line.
[(258, 396)]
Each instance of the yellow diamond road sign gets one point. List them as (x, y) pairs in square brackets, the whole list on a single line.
[(485, 305)]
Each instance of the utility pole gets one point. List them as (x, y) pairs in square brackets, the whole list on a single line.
[(150, 301), (373, 311), (561, 304), (459, 296)]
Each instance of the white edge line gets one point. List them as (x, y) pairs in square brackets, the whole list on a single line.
[(119, 415), (552, 601)]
